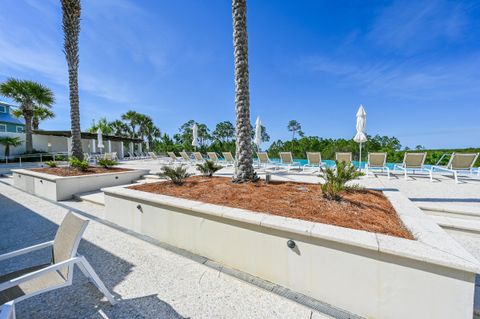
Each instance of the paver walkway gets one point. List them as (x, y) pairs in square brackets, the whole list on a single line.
[(153, 282)]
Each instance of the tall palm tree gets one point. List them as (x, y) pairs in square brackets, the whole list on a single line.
[(103, 125), (151, 132), (30, 95), (7, 142), (119, 128), (71, 29), (244, 171), (133, 118), (40, 113)]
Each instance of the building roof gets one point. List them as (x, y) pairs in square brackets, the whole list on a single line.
[(8, 117), (87, 135)]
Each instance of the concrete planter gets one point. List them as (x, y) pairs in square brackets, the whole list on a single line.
[(62, 188), (371, 275)]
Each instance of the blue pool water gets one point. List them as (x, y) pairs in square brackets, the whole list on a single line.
[(331, 163)]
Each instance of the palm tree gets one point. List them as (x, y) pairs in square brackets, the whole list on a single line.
[(244, 171), (40, 113), (151, 132), (71, 29), (103, 125), (30, 95), (119, 128), (7, 142), (133, 118)]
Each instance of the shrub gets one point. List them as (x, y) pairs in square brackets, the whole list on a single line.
[(78, 164), (337, 178), (107, 163), (51, 163), (208, 168), (176, 174)]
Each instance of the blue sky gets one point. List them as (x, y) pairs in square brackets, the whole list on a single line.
[(414, 65)]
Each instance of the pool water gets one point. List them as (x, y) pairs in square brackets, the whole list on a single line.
[(331, 163)]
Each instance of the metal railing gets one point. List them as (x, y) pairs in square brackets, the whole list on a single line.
[(31, 158)]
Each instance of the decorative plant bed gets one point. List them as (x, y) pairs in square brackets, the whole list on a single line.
[(360, 209), (51, 183), (367, 273)]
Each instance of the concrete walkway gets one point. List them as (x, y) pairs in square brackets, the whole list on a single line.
[(152, 282)]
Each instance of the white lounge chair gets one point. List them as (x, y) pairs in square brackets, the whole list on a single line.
[(314, 160), (459, 162), (212, 156), (264, 161), (228, 157), (286, 159), (35, 280), (185, 157), (377, 161), (198, 157), (343, 157), (152, 155), (7, 310), (414, 162), (174, 159)]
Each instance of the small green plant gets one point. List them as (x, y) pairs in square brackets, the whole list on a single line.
[(51, 163), (78, 164), (176, 174), (106, 163), (208, 168), (337, 178)]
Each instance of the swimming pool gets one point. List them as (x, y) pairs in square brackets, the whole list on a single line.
[(331, 163)]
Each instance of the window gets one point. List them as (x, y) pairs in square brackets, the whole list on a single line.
[(20, 129), (3, 128), (3, 109)]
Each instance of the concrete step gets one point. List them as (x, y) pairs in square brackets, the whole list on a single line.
[(95, 197), (467, 226), (465, 213)]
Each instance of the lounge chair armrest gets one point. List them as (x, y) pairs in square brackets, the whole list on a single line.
[(26, 250), (16, 281)]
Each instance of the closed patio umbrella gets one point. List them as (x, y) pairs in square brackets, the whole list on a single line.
[(195, 135), (100, 140), (360, 137), (258, 133)]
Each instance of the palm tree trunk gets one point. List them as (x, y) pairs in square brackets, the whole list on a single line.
[(35, 123), (71, 29), (244, 171), (28, 131)]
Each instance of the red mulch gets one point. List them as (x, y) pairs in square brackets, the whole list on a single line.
[(68, 171), (359, 209)]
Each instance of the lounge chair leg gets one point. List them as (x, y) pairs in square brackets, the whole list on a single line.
[(91, 274), (456, 177), (406, 176), (388, 173), (431, 176)]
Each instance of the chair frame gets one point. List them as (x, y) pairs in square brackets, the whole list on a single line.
[(316, 167), (290, 163), (7, 311), (456, 172), (403, 167), (383, 168), (75, 259)]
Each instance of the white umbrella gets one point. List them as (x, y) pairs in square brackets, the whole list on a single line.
[(258, 132), (360, 137), (194, 135), (100, 139)]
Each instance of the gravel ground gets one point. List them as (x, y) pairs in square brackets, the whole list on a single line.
[(152, 282)]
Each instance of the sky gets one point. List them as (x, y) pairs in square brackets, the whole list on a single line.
[(414, 65)]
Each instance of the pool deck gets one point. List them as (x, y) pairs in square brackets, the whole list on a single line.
[(157, 281)]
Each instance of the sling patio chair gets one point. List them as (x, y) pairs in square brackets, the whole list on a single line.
[(458, 163), (174, 158), (228, 157), (198, 157), (286, 159), (212, 156), (185, 157), (7, 310), (414, 162), (314, 160), (343, 157), (377, 161), (58, 273), (265, 162)]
